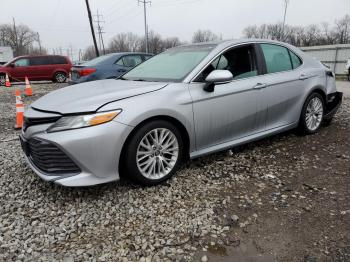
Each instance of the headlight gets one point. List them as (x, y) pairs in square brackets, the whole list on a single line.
[(73, 122)]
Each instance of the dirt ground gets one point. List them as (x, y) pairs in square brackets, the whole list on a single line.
[(303, 212), (285, 198)]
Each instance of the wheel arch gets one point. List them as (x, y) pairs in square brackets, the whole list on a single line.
[(177, 123)]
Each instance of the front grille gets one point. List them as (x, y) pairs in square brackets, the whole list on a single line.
[(50, 159), (38, 121)]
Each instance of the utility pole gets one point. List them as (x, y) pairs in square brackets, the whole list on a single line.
[(100, 32), (15, 30), (286, 2), (39, 42), (92, 27), (145, 2)]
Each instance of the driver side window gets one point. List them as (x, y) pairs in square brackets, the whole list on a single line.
[(240, 61), (22, 62)]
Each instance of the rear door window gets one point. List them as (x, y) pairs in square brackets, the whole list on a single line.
[(40, 60), (277, 58), (22, 62)]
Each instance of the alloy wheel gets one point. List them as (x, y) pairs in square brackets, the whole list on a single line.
[(60, 77), (314, 113), (157, 153)]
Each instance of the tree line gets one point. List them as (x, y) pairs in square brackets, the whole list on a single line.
[(130, 42), (311, 35), (24, 40)]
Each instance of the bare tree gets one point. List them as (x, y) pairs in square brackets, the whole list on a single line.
[(125, 42), (171, 42), (21, 38), (89, 53), (204, 36), (342, 30), (323, 34)]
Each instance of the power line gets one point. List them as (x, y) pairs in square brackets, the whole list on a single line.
[(100, 30), (145, 2)]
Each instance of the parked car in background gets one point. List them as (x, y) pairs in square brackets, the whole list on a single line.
[(347, 69), (184, 103), (6, 54), (106, 67), (37, 67)]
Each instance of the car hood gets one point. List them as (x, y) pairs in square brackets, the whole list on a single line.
[(90, 96)]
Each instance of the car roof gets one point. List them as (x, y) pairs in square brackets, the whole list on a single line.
[(29, 56), (228, 43)]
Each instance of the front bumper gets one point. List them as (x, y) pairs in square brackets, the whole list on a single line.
[(95, 150), (334, 101)]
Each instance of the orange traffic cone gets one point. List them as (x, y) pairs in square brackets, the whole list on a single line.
[(28, 90), (19, 110), (7, 81)]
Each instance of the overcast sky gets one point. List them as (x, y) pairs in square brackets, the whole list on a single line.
[(64, 23)]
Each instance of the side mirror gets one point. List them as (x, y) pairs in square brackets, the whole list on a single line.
[(217, 77)]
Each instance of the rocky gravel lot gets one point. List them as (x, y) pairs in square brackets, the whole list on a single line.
[(286, 198)]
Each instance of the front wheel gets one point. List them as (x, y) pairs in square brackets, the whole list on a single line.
[(312, 114), (154, 153), (60, 77)]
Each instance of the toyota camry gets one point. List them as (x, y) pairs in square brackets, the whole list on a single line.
[(184, 103)]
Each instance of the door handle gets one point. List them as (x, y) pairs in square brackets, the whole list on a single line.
[(260, 86), (303, 77)]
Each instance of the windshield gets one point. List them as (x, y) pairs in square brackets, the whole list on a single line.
[(97, 60), (172, 65)]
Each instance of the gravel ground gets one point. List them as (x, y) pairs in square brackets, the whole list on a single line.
[(286, 198)]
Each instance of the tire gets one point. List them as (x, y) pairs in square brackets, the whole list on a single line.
[(2, 80), (60, 77), (137, 160), (312, 114)]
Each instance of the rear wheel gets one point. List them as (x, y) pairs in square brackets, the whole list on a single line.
[(60, 77), (154, 153), (312, 114)]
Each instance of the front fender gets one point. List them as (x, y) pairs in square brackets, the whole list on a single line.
[(172, 101)]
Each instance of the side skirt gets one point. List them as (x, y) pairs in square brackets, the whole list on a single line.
[(241, 141)]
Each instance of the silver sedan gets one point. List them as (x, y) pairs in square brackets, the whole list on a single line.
[(184, 103)]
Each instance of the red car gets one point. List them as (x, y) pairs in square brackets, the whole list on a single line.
[(42, 67)]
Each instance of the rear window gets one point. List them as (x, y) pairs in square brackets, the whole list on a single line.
[(59, 60)]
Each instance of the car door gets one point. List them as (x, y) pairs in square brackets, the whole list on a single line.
[(233, 110), (40, 68), (285, 79), (20, 69)]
